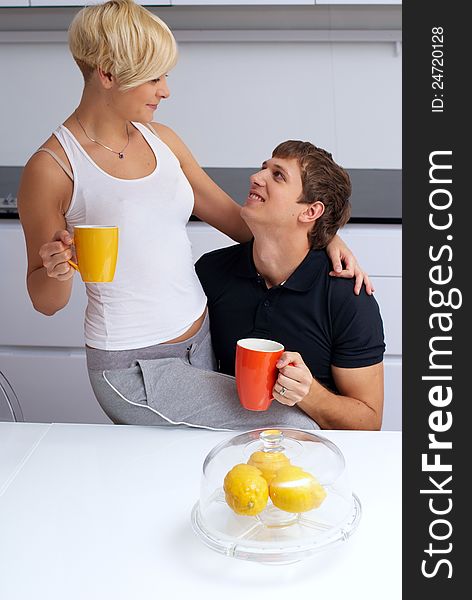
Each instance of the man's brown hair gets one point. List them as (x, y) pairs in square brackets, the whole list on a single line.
[(322, 180)]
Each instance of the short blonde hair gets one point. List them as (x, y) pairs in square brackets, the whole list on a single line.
[(123, 39)]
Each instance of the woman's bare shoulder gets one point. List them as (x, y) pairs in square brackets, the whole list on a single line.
[(175, 143), (164, 132), (43, 178), (53, 144), (161, 128), (42, 164)]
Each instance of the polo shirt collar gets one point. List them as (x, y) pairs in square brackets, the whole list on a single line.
[(301, 280)]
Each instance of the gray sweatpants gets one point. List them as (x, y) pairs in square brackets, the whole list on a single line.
[(176, 384)]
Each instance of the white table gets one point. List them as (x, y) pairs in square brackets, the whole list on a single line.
[(103, 512)]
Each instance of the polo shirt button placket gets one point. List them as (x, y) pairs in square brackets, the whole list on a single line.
[(262, 317)]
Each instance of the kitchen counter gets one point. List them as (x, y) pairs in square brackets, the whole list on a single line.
[(376, 196), (103, 512)]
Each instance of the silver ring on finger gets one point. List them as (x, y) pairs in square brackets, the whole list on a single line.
[(282, 391)]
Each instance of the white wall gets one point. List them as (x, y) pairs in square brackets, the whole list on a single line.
[(231, 102)]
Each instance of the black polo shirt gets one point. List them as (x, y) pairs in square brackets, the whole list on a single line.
[(311, 313)]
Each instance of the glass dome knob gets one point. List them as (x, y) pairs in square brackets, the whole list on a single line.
[(272, 440)]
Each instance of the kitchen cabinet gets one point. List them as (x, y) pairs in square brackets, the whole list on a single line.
[(44, 358), (241, 2), (359, 2), (60, 3), (52, 385), (14, 3)]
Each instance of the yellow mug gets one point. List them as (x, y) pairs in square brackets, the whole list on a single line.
[(96, 248)]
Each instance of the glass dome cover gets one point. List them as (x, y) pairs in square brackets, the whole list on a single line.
[(275, 496)]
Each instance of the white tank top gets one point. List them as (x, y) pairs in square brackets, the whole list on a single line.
[(155, 295)]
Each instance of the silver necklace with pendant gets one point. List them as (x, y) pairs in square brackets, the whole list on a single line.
[(120, 153)]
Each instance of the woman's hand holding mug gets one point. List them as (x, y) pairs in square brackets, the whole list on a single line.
[(56, 254), (96, 249)]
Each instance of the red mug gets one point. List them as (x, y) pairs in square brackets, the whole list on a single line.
[(256, 372)]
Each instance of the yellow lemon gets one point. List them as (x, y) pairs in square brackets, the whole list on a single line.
[(246, 490), (268, 463), (296, 491)]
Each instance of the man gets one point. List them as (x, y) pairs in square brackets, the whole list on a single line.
[(278, 287)]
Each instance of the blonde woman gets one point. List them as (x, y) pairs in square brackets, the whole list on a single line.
[(109, 163)]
